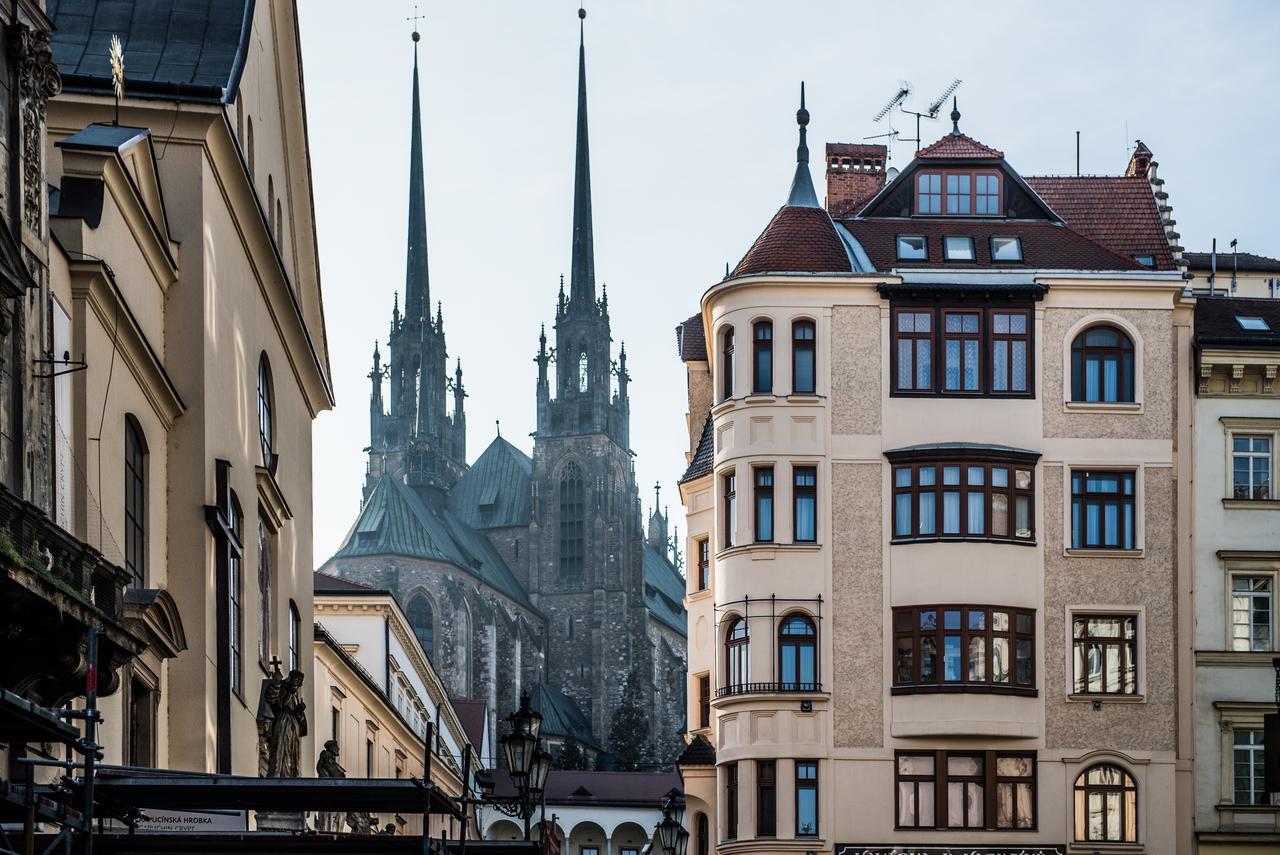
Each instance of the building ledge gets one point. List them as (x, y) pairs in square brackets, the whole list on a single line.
[(771, 844), (1104, 553), (1106, 699), (1096, 847), (1236, 658), (767, 550), (1252, 504), (1126, 408)]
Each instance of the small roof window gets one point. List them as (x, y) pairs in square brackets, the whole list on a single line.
[(1145, 260), (1253, 324), (957, 248), (1006, 249), (912, 248)]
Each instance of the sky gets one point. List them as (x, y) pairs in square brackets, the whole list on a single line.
[(692, 111)]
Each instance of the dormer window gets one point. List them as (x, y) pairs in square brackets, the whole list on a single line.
[(912, 248), (958, 194), (957, 248)]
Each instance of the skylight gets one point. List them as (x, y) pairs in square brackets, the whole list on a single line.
[(912, 247), (1253, 324), (957, 248), (1006, 249)]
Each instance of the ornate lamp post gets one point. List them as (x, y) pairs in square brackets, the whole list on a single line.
[(528, 764), (669, 835)]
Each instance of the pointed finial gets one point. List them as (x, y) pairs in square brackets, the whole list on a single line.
[(802, 119), (415, 18), (497, 423), (726, 270), (582, 13), (802, 193), (955, 116), (657, 495)]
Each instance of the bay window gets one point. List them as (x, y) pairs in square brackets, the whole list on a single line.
[(984, 351), (964, 648), (966, 790), (988, 496)]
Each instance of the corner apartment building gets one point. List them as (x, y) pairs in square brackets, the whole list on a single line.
[(937, 438)]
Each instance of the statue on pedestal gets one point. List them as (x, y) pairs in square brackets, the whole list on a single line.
[(282, 722), (328, 767)]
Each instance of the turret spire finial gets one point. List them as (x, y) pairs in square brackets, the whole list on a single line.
[(417, 297), (802, 193), (582, 275), (955, 116)]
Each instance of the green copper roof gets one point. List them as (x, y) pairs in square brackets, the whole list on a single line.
[(664, 590), (497, 490), (396, 521), (561, 716)]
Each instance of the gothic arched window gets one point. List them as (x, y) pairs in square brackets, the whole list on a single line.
[(422, 619), (572, 521), (584, 372)]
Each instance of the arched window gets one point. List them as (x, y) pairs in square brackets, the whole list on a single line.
[(584, 372), (135, 503), (737, 645), (726, 363), (235, 588), (703, 831), (573, 518), (803, 358), (295, 637), (1102, 366), (1106, 805), (762, 365), (422, 620), (798, 654), (266, 592), (266, 414)]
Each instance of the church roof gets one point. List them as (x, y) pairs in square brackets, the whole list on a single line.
[(664, 590), (396, 521), (497, 490), (561, 716), (174, 49)]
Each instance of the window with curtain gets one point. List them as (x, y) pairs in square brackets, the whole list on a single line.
[(994, 790), (1103, 513), (913, 350), (1105, 653), (763, 478), (762, 360), (135, 503), (798, 654), (977, 499), (1106, 806), (737, 645), (1102, 366), (984, 351), (983, 648), (804, 498), (573, 520), (803, 358), (961, 345)]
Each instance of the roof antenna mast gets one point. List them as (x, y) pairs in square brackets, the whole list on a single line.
[(930, 112)]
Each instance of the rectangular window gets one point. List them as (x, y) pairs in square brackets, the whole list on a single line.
[(762, 370), (912, 248), (961, 342), (1010, 351), (730, 506), (726, 367), (913, 350), (704, 700), (335, 717), (977, 501), (1252, 608), (957, 248), (806, 798), (803, 358), (764, 504), (1248, 786), (959, 192), (982, 647), (988, 790), (929, 193), (1250, 467), (731, 801), (704, 564), (804, 495), (142, 723), (368, 758), (766, 798), (1006, 249), (1103, 510), (1105, 654), (986, 195)]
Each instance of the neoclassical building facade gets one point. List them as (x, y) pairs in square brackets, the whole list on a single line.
[(936, 514)]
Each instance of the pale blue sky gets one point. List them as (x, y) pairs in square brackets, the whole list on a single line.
[(692, 108)]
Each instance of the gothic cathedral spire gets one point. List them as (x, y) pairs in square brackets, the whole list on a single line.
[(417, 296), (582, 278)]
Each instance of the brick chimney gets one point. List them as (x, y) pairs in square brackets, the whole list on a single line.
[(855, 173)]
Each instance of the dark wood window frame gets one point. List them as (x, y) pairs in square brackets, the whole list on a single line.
[(766, 798), (1108, 647), (807, 491), (972, 193), (731, 801), (804, 782), (962, 337), (991, 782), (1082, 498), (729, 481), (1125, 355), (703, 547), (804, 342), (762, 358), (910, 464), (796, 642), (135, 502), (764, 515), (726, 366), (937, 336), (926, 644), (704, 700), (1128, 792), (737, 652)]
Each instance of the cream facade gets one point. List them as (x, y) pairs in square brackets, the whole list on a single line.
[(874, 663), (184, 274)]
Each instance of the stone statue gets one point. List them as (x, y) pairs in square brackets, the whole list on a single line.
[(328, 767), (282, 719)]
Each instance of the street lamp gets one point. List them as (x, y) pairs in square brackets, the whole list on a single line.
[(670, 834), (528, 763)]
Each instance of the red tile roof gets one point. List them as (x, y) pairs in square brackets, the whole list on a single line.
[(691, 341), (1045, 245), (797, 240), (960, 146), (1118, 212)]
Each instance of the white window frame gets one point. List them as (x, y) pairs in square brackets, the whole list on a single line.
[(1233, 425), (1069, 647), (1233, 716), (1243, 564)]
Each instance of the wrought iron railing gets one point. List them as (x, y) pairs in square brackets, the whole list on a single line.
[(768, 688)]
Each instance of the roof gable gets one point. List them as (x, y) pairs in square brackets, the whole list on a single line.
[(897, 197), (957, 145), (1118, 212)]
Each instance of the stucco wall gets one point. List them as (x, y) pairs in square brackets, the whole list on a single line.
[(857, 622), (855, 370)]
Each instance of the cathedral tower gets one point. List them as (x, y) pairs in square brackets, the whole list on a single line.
[(414, 438)]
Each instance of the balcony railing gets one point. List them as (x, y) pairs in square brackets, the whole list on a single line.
[(768, 689)]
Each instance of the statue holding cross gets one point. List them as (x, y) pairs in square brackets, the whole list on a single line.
[(282, 722)]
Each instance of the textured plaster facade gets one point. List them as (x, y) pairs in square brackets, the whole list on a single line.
[(857, 624)]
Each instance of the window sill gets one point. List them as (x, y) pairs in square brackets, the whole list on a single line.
[(760, 398), (1104, 553), (766, 550), (804, 398), (1252, 504), (963, 688), (1229, 807), (1101, 407), (1106, 699), (957, 538), (1097, 846), (698, 596)]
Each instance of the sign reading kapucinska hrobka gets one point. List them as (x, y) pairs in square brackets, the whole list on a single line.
[(963, 849)]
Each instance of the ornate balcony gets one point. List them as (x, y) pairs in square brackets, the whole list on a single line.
[(769, 689)]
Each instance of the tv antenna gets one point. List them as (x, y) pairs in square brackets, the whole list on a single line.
[(930, 112), (903, 93)]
